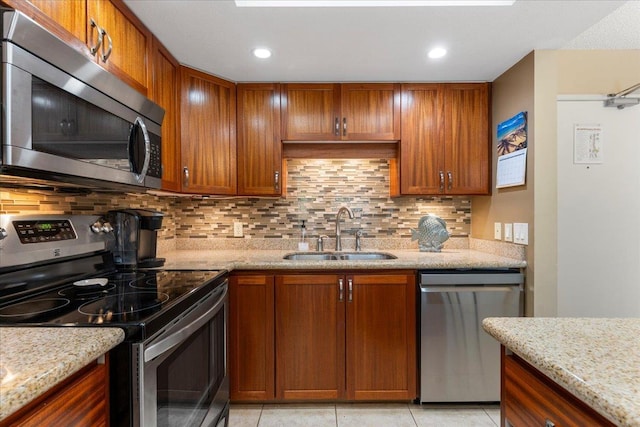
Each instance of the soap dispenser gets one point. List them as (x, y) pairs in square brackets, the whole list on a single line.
[(303, 245)]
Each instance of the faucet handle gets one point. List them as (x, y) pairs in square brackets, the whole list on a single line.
[(358, 234), (320, 243)]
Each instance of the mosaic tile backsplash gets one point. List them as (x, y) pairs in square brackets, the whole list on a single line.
[(316, 189)]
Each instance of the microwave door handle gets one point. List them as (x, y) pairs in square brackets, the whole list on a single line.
[(179, 336), (133, 142)]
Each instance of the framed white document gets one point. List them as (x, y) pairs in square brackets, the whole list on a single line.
[(512, 169)]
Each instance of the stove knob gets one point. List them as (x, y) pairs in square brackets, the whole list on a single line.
[(107, 228), (3, 233), (96, 227)]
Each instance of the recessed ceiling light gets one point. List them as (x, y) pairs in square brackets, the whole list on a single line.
[(437, 52), (369, 3), (261, 53)]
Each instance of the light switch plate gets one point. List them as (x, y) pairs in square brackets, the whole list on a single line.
[(237, 229), (497, 230), (521, 233), (508, 232)]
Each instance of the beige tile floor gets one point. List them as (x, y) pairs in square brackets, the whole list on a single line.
[(363, 415)]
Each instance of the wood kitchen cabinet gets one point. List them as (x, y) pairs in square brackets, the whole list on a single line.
[(165, 91), (341, 112), (529, 398), (445, 141), (310, 337), (260, 167), (126, 42), (208, 136), (82, 399), (251, 337), (347, 337)]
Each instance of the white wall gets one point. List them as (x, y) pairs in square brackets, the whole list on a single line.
[(599, 214)]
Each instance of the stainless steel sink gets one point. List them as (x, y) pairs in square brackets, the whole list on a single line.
[(338, 256), (365, 256), (310, 256)]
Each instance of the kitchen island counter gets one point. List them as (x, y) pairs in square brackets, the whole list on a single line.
[(273, 260), (596, 360), (33, 360)]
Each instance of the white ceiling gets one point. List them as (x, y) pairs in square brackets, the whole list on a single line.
[(380, 44)]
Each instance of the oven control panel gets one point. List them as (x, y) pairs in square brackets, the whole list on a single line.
[(44, 231)]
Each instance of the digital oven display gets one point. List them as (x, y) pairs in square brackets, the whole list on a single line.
[(44, 231)]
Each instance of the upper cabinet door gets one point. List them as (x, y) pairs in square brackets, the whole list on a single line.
[(341, 112), (126, 41), (422, 142), (208, 111), (467, 155), (259, 145), (310, 112), (72, 16), (165, 90), (370, 112), (444, 147)]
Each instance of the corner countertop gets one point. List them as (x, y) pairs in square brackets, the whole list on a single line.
[(597, 360), (33, 360), (273, 260)]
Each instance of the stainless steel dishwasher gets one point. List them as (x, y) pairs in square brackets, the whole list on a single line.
[(459, 361)]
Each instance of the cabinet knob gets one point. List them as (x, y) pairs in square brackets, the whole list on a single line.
[(549, 423)]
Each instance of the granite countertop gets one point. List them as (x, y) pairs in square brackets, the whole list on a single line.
[(273, 260), (33, 360), (597, 360)]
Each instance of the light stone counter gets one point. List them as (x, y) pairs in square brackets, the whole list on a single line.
[(33, 360), (273, 260), (597, 360)]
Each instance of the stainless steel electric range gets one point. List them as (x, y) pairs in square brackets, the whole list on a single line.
[(171, 370)]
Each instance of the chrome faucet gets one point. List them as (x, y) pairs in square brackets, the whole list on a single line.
[(338, 241)]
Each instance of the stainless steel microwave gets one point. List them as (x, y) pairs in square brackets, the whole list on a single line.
[(66, 119)]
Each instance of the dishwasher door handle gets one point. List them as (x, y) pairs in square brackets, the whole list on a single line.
[(458, 289)]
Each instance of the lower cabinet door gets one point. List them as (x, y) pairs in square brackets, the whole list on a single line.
[(251, 338), (310, 337), (381, 337)]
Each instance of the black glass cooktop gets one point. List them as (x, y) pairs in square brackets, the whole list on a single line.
[(141, 302)]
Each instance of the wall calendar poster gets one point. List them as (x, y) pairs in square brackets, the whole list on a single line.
[(512, 151)]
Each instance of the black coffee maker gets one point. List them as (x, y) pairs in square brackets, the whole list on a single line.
[(136, 237)]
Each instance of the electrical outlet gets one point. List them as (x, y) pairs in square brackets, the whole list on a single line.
[(237, 229), (508, 232), (521, 233), (497, 230)]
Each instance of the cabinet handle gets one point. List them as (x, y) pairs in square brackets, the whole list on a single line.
[(94, 49), (337, 127), (350, 284), (106, 55), (185, 180), (344, 126), (549, 423), (276, 179), (450, 177), (340, 290), (441, 181)]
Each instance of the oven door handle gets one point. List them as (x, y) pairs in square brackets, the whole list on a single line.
[(181, 335)]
